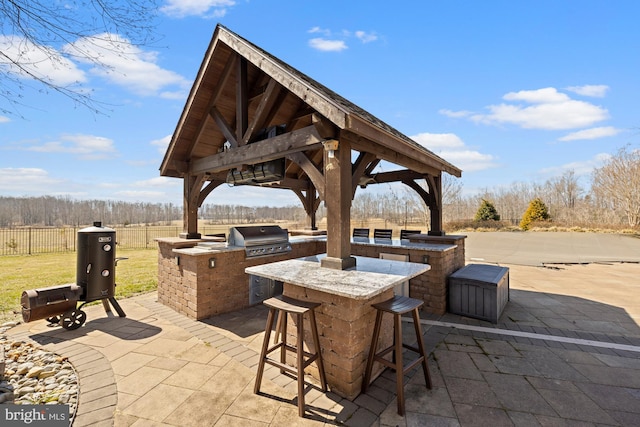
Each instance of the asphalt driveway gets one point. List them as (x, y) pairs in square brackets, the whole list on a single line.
[(542, 248)]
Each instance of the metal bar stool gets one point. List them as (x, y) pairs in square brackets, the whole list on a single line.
[(398, 305), (296, 308)]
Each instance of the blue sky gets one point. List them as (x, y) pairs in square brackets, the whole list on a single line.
[(509, 91)]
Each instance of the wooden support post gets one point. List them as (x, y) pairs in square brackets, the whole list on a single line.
[(337, 173), (311, 207), (191, 193), (435, 188)]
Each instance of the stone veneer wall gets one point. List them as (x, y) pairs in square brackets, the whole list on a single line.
[(192, 288), (345, 328), (431, 286), (450, 239)]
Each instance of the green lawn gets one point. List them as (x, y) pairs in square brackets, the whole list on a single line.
[(137, 274)]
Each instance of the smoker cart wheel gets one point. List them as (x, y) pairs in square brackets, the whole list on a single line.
[(73, 319), (54, 319)]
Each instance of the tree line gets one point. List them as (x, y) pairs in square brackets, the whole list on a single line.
[(613, 200), (48, 211), (610, 199)]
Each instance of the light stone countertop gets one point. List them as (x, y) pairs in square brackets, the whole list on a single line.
[(396, 243), (370, 276), (389, 243), (190, 247)]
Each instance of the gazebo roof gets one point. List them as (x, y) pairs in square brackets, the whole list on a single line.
[(240, 90)]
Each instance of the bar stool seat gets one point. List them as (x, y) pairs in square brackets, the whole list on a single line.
[(285, 305), (397, 306)]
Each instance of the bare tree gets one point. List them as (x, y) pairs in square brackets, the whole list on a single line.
[(566, 189), (40, 39), (617, 184)]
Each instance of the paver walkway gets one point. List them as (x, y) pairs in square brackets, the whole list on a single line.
[(156, 367)]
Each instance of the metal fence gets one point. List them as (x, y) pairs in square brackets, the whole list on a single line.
[(34, 240)]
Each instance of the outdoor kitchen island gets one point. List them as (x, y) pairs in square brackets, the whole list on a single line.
[(345, 317)]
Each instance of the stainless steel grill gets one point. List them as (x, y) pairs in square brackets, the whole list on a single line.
[(260, 240)]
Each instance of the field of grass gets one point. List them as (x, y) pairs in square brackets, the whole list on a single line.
[(137, 274)]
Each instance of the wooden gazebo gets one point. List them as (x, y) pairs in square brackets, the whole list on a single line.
[(251, 119)]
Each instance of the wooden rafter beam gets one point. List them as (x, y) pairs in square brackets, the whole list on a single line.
[(360, 166), (314, 174), (424, 195), (285, 184), (389, 154), (212, 185), (242, 100), (217, 92), (263, 111), (326, 129), (224, 127), (398, 150), (304, 111), (397, 176), (260, 151), (434, 190)]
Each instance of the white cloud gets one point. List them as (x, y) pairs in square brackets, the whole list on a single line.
[(183, 8), (126, 65), (548, 95), (469, 160), (551, 110), (318, 30), (455, 114), (24, 180), (4, 119), (593, 133), (162, 144), (597, 91), (434, 141), (86, 147), (42, 62), (453, 149), (366, 37), (330, 41), (327, 45), (159, 181), (581, 168)]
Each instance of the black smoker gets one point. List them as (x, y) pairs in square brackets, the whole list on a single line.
[(95, 280)]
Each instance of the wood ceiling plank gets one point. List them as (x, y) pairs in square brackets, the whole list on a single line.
[(215, 96)]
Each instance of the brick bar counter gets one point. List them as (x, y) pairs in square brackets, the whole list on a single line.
[(345, 318), (443, 256), (201, 283), (189, 283)]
